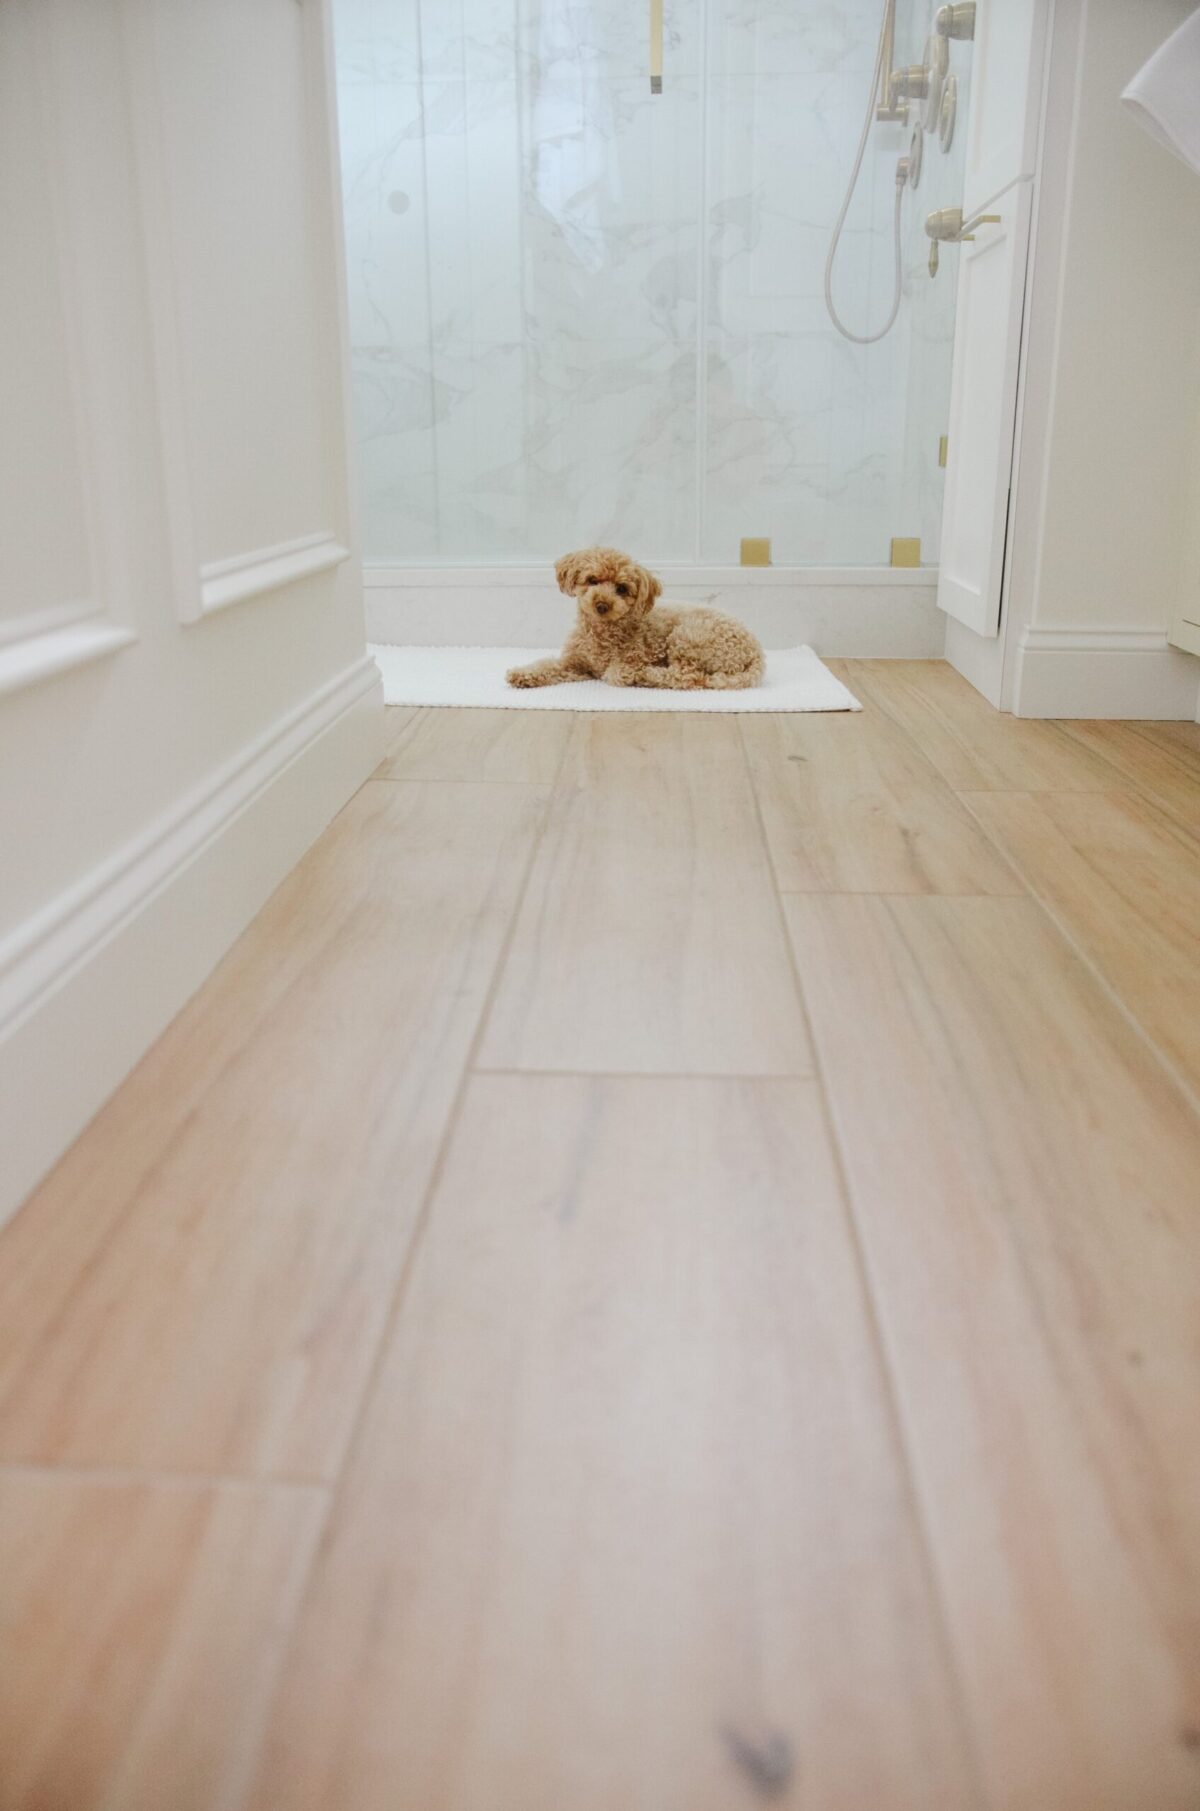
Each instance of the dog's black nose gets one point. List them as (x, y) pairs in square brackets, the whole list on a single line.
[(602, 609)]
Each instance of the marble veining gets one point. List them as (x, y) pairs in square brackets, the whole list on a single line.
[(581, 310)]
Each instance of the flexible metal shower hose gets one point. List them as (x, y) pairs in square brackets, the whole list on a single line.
[(866, 339)]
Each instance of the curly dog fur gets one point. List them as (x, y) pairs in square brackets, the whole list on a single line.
[(624, 638)]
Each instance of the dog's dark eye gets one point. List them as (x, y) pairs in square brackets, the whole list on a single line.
[(591, 581), (622, 590)]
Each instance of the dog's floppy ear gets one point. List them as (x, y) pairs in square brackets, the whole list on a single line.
[(648, 588), (569, 571)]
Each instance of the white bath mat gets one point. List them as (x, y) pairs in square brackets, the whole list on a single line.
[(795, 681)]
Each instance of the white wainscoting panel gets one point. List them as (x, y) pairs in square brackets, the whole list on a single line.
[(172, 444), (60, 570), (238, 210)]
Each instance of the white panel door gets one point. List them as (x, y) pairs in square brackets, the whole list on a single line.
[(983, 407)]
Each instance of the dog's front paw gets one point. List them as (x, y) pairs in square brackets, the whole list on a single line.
[(520, 676)]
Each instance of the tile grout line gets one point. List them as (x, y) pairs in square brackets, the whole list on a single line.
[(1064, 723), (403, 779), (398, 737), (900, 1435), (264, 1682), (336, 1484), (117, 1476), (1121, 785), (1120, 782), (648, 1075), (1063, 930)]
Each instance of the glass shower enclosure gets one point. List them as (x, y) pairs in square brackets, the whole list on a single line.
[(583, 310)]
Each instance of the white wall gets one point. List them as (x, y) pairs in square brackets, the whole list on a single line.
[(1111, 394), (184, 696)]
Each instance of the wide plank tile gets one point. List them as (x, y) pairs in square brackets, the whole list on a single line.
[(974, 747), (626, 1524), (141, 1627), (1180, 736), (1163, 769), (1124, 882), (1024, 1176), (649, 939), (209, 1294), (437, 744), (850, 805)]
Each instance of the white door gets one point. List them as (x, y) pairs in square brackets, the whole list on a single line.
[(983, 411), (998, 180), (1002, 119)]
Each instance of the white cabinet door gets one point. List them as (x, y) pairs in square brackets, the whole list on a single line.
[(1002, 117), (983, 406)]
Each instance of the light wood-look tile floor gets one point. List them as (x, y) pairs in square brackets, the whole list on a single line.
[(661, 1274)]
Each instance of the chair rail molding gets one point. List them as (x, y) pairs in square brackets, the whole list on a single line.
[(225, 582)]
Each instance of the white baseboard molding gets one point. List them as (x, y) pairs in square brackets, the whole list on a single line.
[(87, 986), (1101, 672), (877, 611)]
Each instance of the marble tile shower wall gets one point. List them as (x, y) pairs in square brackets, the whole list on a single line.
[(579, 310)]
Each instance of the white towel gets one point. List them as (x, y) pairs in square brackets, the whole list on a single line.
[(795, 681), (1165, 93)]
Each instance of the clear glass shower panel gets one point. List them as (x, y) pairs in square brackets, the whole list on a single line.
[(804, 432), (522, 221), (582, 310)]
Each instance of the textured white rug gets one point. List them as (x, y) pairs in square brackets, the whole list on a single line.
[(796, 681)]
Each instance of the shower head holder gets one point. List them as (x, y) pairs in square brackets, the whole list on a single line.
[(956, 21)]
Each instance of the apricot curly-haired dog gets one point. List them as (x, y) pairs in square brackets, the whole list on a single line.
[(624, 638)]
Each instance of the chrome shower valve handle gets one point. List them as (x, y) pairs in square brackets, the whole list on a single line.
[(944, 224), (948, 225)]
